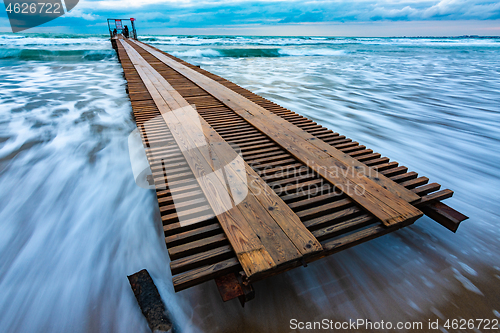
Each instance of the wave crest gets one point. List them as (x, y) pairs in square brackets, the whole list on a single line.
[(257, 53), (60, 55)]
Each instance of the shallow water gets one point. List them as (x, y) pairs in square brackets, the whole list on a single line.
[(75, 224)]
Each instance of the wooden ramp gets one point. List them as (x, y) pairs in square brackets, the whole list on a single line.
[(247, 186)]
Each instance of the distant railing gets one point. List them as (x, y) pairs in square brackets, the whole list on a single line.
[(117, 26)]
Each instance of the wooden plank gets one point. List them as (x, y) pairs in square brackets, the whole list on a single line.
[(332, 218), (382, 197), (426, 189), (205, 273), (150, 302), (201, 259), (192, 235), (280, 231), (350, 240), (434, 197), (193, 223), (197, 246)]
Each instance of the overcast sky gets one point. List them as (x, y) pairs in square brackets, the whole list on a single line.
[(284, 17)]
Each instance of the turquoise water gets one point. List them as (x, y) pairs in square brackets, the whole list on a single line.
[(74, 224)]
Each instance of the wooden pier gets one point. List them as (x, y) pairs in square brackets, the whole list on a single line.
[(248, 189)]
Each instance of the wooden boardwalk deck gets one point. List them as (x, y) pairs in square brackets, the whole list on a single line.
[(245, 185)]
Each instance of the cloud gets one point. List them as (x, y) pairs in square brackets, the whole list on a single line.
[(380, 13), (217, 12), (445, 8), (79, 13), (314, 16), (152, 14)]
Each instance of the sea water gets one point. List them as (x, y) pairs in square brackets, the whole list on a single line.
[(74, 224)]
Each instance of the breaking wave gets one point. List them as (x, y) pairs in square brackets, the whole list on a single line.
[(55, 47), (313, 41), (60, 55), (257, 53)]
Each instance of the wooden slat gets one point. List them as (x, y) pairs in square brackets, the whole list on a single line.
[(434, 197), (201, 245), (205, 273), (382, 197), (201, 259)]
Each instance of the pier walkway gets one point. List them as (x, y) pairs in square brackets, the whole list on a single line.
[(247, 187)]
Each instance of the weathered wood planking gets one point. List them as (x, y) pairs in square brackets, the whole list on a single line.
[(262, 229), (386, 200), (199, 251)]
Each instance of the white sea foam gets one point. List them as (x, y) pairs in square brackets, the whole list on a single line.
[(74, 223), (53, 44), (319, 41), (311, 52), (197, 53), (238, 52)]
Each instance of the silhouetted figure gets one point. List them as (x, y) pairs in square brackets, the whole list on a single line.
[(115, 32), (125, 32)]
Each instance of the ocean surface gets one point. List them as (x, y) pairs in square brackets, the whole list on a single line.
[(74, 224)]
